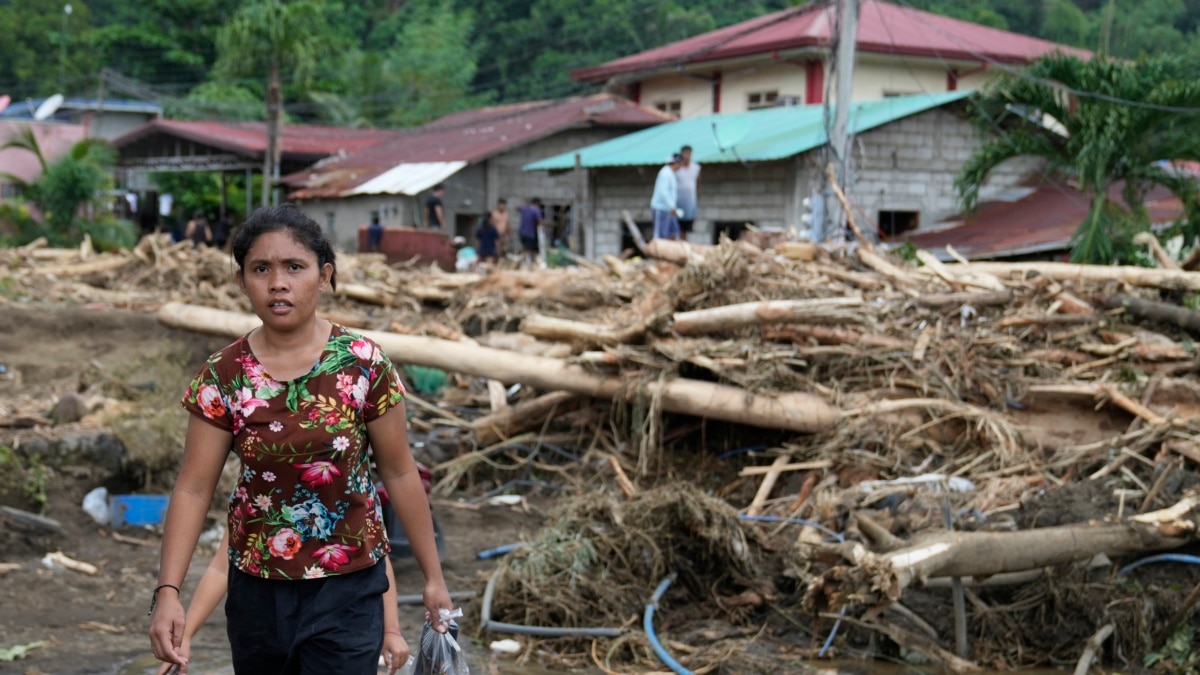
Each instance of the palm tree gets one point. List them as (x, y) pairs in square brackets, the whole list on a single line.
[(1098, 123), (66, 184), (274, 35)]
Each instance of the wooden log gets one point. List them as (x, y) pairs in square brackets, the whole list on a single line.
[(566, 330), (96, 266), (863, 281), (897, 276), (1160, 312), (635, 232), (675, 251), (974, 299), (833, 336), (795, 411), (498, 426), (883, 578), (364, 293), (1150, 241), (957, 277), (1175, 280), (30, 521), (732, 317)]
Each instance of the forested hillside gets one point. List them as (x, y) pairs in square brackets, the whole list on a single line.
[(403, 62)]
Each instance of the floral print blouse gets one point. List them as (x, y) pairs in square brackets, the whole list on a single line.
[(304, 506)]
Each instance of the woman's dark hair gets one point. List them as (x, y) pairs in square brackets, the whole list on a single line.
[(284, 217)]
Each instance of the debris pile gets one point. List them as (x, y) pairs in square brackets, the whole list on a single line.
[(962, 458)]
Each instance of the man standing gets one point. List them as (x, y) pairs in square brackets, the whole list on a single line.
[(499, 220), (664, 206), (435, 214), (374, 233), (531, 220), (687, 176)]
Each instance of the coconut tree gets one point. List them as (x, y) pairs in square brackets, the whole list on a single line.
[(1098, 123), (66, 185), (267, 37)]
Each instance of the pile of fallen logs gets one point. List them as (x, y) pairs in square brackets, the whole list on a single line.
[(917, 410)]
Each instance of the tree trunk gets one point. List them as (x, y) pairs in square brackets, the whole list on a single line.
[(883, 578), (731, 317), (1160, 312), (274, 115), (1174, 280), (565, 330), (498, 426), (792, 411)]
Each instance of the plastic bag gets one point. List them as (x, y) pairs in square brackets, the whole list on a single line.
[(439, 653)]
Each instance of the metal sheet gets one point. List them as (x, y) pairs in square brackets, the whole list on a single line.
[(408, 179)]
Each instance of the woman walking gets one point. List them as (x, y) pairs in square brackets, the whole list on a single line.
[(300, 400)]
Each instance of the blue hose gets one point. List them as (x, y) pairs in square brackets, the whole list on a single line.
[(648, 626), (1162, 557), (817, 526)]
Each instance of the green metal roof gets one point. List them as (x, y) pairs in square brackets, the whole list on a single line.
[(755, 136)]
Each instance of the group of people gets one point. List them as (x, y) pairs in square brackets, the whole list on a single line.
[(492, 235), (673, 203)]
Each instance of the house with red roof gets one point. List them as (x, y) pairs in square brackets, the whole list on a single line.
[(237, 148), (783, 58), (476, 154)]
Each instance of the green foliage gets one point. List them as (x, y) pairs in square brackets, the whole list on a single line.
[(1099, 142), (65, 188), (1180, 654), (111, 234), (24, 476), (218, 100), (201, 191)]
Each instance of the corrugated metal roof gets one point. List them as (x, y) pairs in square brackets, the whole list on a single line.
[(25, 109), (470, 136), (409, 179), (1043, 221), (250, 138), (755, 136), (883, 28)]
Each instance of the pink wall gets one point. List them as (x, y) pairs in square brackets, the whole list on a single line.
[(55, 139)]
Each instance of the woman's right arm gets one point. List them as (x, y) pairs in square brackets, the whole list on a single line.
[(204, 456)]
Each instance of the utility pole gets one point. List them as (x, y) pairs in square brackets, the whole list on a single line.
[(62, 50), (839, 140)]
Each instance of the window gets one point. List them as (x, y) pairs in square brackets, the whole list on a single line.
[(892, 223), (730, 228), (10, 190), (670, 107), (761, 99)]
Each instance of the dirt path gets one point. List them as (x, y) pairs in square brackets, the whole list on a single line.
[(90, 624)]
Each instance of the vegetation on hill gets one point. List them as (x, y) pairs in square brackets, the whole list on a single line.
[(403, 62)]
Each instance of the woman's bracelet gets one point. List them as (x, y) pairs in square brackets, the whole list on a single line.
[(393, 632), (154, 595)]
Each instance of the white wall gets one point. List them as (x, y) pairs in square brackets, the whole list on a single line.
[(738, 82), (694, 94)]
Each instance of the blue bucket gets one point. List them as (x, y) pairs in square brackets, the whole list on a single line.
[(137, 509)]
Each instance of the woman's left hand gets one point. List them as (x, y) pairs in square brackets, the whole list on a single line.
[(395, 651)]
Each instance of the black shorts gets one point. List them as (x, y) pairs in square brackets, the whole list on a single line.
[(307, 626), (529, 243)]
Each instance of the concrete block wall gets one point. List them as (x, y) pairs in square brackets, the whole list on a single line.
[(760, 194), (910, 165)]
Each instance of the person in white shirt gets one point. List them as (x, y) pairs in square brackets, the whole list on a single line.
[(687, 176), (663, 205)]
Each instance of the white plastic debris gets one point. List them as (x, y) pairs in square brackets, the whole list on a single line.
[(505, 500), (936, 482), (505, 646), (96, 505)]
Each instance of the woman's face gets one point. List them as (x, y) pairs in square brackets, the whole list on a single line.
[(283, 281)]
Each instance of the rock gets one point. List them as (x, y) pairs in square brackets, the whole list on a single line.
[(69, 408)]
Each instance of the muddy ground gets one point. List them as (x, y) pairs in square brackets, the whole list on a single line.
[(91, 624)]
